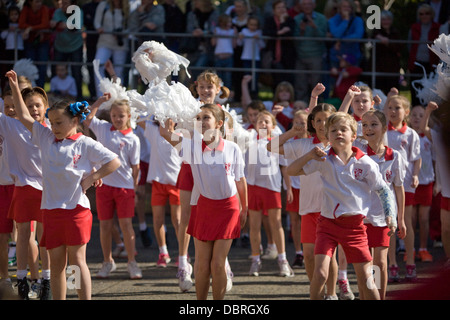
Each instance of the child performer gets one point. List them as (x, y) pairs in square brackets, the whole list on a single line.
[(25, 209), (402, 138), (218, 172), (264, 194), (393, 169), (67, 158), (117, 192), (348, 178)]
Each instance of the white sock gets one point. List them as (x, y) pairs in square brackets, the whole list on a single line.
[(163, 249), (182, 262), (299, 252), (142, 226), (342, 275), (46, 274), (271, 246), (21, 274), (256, 258), (282, 256)]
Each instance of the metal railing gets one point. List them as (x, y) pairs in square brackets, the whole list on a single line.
[(253, 70)]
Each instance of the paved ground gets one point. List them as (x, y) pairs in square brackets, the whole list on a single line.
[(161, 283)]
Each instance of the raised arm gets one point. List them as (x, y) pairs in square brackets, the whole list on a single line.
[(94, 108), (424, 122), (315, 93), (21, 109), (167, 132), (347, 101), (277, 142), (296, 167)]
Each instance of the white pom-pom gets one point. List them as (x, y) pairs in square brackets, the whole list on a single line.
[(424, 87), (155, 62), (25, 67), (441, 47)]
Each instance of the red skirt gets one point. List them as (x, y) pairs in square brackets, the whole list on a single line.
[(26, 205), (69, 227), (216, 219), (6, 194), (185, 180)]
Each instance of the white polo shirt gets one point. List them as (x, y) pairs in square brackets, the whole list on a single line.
[(407, 142), (393, 169), (312, 193), (64, 165), (263, 167), (215, 171), (426, 174), (5, 177), (123, 143), (24, 157), (165, 162), (442, 162), (346, 187)]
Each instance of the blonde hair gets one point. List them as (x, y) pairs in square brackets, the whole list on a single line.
[(341, 116), (210, 77), (287, 86), (268, 113), (406, 104), (123, 103)]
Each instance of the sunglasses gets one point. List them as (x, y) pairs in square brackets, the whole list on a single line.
[(424, 13)]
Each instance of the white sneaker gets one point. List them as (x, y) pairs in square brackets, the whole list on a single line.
[(270, 254), (184, 278), (229, 277), (255, 268), (106, 269), (118, 251), (345, 292), (285, 269), (134, 271)]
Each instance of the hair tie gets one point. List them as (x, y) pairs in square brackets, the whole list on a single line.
[(46, 112), (81, 109)]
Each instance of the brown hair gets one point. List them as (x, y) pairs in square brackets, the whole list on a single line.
[(218, 114), (210, 77), (339, 116), (35, 91)]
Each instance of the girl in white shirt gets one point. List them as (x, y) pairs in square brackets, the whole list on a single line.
[(117, 192), (67, 158), (218, 172)]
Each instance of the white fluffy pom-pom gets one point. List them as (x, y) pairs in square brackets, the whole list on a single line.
[(155, 62), (424, 87), (26, 68), (441, 47)]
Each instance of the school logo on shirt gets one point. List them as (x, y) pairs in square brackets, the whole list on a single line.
[(388, 175), (357, 173), (122, 145), (404, 143), (228, 168), (76, 158)]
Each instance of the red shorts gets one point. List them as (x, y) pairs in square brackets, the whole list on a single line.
[(111, 199), (143, 169), (409, 199), (445, 203), (308, 227), (185, 179), (424, 195), (216, 219), (66, 227), (190, 228), (262, 199), (162, 192), (294, 205), (6, 195), (377, 236), (350, 232), (26, 205)]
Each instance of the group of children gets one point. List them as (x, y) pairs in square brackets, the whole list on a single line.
[(362, 172)]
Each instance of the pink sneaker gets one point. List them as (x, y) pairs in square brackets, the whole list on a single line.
[(163, 260)]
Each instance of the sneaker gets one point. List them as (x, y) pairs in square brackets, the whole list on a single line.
[(345, 292), (425, 256), (270, 254), (35, 288), (118, 250), (6, 288), (327, 297), (298, 261), (411, 274), (23, 288), (134, 271), (106, 269), (184, 278), (255, 268), (163, 260), (393, 274), (229, 277), (146, 237), (285, 269), (45, 292)]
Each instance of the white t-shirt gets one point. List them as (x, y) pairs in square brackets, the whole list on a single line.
[(5, 176), (251, 48), (125, 144), (442, 163), (347, 187), (224, 44), (426, 173), (215, 171), (65, 164), (66, 85), (311, 195), (24, 157), (407, 142), (165, 163)]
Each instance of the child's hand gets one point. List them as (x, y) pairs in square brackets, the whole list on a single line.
[(318, 90), (392, 225), (317, 154), (392, 92), (334, 71), (247, 78), (276, 109), (377, 100), (432, 106), (289, 195), (415, 181), (12, 76), (401, 230), (353, 91), (105, 97)]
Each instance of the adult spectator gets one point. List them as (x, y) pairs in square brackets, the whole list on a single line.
[(296, 9), (111, 17), (441, 10), (345, 25), (310, 53), (426, 31), (173, 13), (200, 23), (280, 26), (68, 45), (91, 40), (147, 18), (34, 19), (388, 53)]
